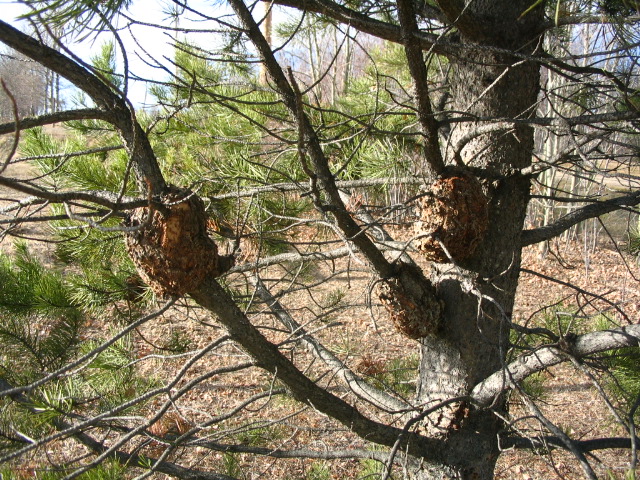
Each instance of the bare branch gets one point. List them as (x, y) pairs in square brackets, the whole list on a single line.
[(586, 119), (297, 187), (16, 126), (87, 357), (363, 22), (529, 363), (312, 145), (103, 198), (592, 19), (536, 235), (418, 69), (294, 453), (549, 441), (124, 458), (56, 117), (569, 444), (116, 110), (355, 383), (214, 298)]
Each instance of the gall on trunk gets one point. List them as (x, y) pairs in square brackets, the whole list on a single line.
[(453, 212), (170, 248), (412, 302), (412, 317)]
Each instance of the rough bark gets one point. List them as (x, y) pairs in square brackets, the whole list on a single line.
[(479, 292)]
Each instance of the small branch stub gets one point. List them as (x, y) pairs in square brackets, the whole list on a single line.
[(171, 249), (453, 211)]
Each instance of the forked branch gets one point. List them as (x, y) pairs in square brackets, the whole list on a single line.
[(310, 143), (214, 298), (356, 384)]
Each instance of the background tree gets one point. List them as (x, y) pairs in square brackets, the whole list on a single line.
[(265, 211), (26, 81)]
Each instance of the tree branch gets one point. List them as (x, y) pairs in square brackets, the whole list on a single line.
[(294, 453), (587, 119), (102, 198), (16, 127), (56, 117), (356, 384), (297, 187), (364, 23), (311, 145), (569, 443), (214, 298), (536, 235), (529, 363), (418, 70), (129, 459), (117, 110), (549, 441), (590, 19)]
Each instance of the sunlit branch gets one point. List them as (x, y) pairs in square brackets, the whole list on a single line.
[(542, 358), (568, 442), (102, 198), (341, 184), (97, 419), (294, 453), (547, 441), (123, 458), (16, 127), (356, 384), (592, 19), (212, 296)]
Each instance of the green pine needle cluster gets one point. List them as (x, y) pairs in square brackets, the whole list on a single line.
[(40, 324), (111, 378), (634, 239)]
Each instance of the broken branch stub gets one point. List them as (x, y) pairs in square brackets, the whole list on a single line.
[(170, 248), (453, 212)]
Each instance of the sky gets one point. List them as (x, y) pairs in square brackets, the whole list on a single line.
[(144, 42)]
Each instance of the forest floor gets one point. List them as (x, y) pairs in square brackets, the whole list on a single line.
[(610, 280), (589, 280)]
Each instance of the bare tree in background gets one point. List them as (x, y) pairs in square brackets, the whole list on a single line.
[(27, 83), (239, 207)]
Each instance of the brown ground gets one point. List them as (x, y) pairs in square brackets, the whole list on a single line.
[(570, 399), (366, 344)]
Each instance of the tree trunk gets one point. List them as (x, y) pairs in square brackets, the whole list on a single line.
[(267, 28), (479, 292)]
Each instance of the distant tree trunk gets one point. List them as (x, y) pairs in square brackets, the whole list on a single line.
[(473, 339), (267, 30)]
